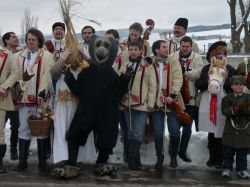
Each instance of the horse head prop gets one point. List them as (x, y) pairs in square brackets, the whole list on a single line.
[(217, 75)]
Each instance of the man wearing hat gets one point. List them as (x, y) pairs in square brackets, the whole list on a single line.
[(56, 44), (56, 47), (236, 107), (180, 30), (219, 51)]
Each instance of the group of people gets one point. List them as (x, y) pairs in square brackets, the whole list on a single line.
[(124, 84)]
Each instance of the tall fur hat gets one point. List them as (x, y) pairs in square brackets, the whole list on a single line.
[(183, 22), (216, 48), (58, 24)]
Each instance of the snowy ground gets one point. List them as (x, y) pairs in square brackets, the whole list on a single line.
[(197, 150)]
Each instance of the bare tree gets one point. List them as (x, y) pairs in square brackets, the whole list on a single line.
[(243, 24), (28, 21)]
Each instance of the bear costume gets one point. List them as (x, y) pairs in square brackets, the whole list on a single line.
[(99, 89)]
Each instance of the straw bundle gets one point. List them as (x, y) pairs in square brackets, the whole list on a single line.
[(71, 41)]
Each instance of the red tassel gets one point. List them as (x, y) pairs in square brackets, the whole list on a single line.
[(213, 109)]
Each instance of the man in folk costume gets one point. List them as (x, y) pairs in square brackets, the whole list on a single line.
[(135, 33), (191, 64), (180, 30), (87, 32), (65, 107), (139, 100), (11, 42), (160, 51), (34, 64), (8, 76), (208, 122), (56, 44), (169, 80)]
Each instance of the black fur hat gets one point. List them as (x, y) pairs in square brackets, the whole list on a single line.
[(183, 22), (58, 24)]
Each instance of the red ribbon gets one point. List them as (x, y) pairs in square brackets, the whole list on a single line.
[(213, 109)]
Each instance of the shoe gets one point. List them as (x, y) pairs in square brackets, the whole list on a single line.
[(243, 174), (226, 173)]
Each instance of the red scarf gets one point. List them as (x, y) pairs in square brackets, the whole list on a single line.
[(213, 109)]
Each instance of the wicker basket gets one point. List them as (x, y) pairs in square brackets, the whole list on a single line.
[(40, 127)]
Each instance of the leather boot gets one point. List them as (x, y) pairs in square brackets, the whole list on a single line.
[(159, 153), (134, 148), (13, 144), (174, 141), (42, 151), (73, 153), (2, 154), (219, 153), (183, 147), (23, 154), (48, 148), (211, 147)]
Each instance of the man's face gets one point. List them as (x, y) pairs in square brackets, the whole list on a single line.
[(134, 52), (86, 35), (134, 35), (179, 31), (13, 41), (163, 50), (237, 88), (58, 33), (32, 42), (185, 48)]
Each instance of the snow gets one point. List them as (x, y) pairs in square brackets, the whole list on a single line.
[(197, 151)]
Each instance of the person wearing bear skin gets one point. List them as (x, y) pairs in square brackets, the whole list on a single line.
[(99, 89)]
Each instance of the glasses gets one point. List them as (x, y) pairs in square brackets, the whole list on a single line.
[(87, 32)]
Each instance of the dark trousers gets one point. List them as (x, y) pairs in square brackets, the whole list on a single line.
[(241, 158), (14, 120)]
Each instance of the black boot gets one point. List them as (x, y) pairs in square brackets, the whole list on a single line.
[(219, 153), (73, 153), (174, 141), (133, 160), (183, 147), (42, 146), (2, 154), (125, 149), (13, 144), (23, 154), (48, 148), (159, 153), (211, 147)]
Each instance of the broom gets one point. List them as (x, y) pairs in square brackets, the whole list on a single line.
[(75, 59)]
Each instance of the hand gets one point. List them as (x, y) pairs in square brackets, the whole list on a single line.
[(129, 72), (3, 92), (150, 109), (166, 100), (66, 54), (169, 100), (40, 101), (236, 110)]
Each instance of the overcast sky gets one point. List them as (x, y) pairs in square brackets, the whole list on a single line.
[(115, 13)]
